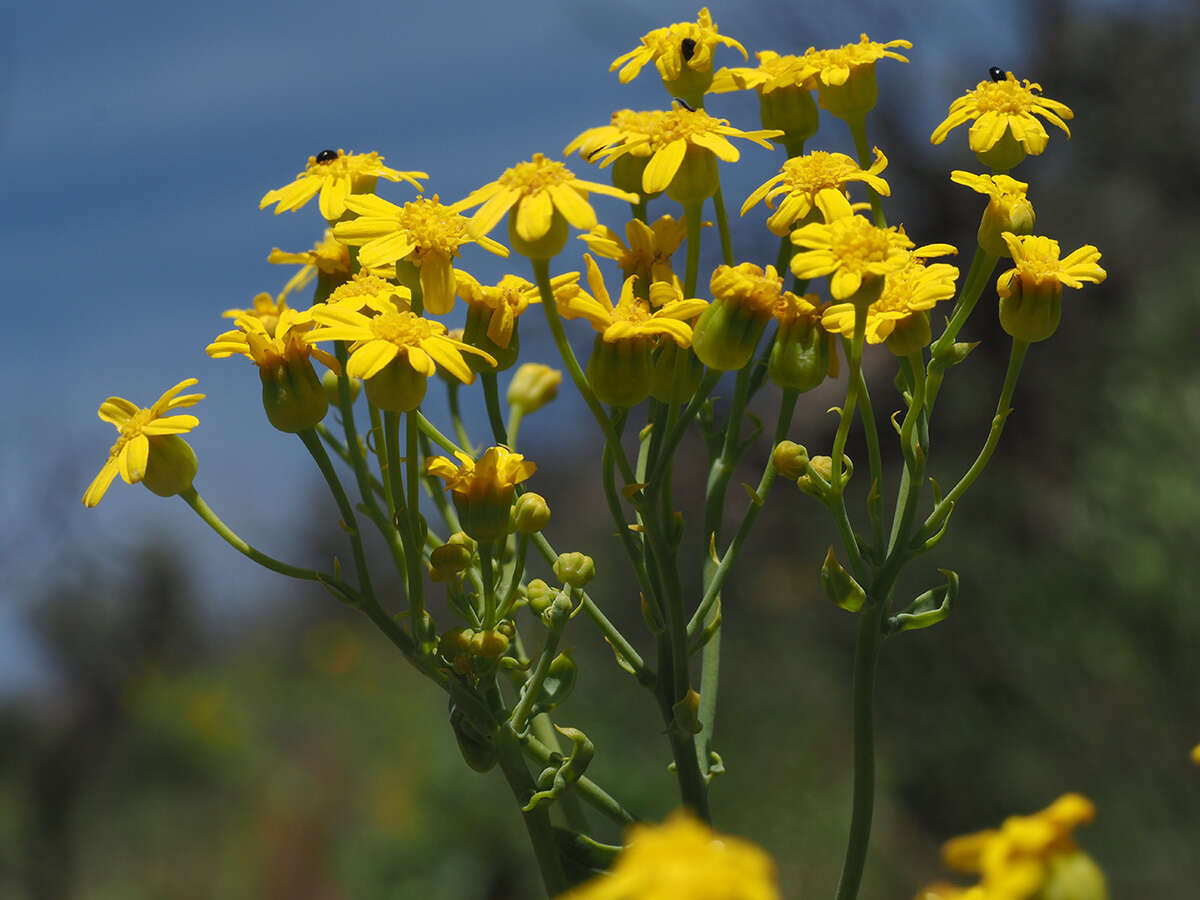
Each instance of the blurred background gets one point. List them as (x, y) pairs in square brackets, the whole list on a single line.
[(176, 722)]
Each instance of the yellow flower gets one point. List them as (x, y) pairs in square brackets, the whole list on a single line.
[(424, 233), (328, 257), (264, 307), (850, 250), (1031, 291), (149, 448), (538, 192), (1008, 208), (802, 180), (367, 293), (684, 858), (1196, 754), (803, 352), (845, 77), (1005, 110), (270, 346), (907, 295), (774, 72), (533, 385), (622, 122), (483, 491), (631, 318), (510, 297), (744, 297), (335, 175), (422, 343), (1026, 856), (649, 251), (684, 44), (668, 138)]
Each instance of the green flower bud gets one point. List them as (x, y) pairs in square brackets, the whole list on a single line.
[(790, 460), (698, 177), (910, 334), (662, 376), (1004, 155), (540, 595), (1015, 216), (792, 110), (329, 381), (799, 356), (547, 246), (531, 513), (489, 644), (574, 569), (1031, 315), (627, 174), (452, 557), (479, 315), (455, 643), (1072, 876), (533, 385), (398, 387), (727, 333), (292, 395), (619, 371), (171, 465)]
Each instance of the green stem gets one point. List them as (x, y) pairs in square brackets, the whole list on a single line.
[(537, 820), (491, 396), (722, 225), (381, 460), (978, 275), (456, 418), (529, 693), (862, 147), (785, 256), (707, 385), (875, 460), (416, 571), (430, 431), (691, 216), (193, 499), (588, 789), (515, 415)]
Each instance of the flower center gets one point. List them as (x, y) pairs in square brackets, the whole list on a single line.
[(818, 170), (1007, 97), (345, 165), (857, 241), (634, 313), (433, 226), (678, 124), (404, 329), (536, 175)]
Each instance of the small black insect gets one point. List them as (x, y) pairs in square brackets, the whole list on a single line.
[(688, 48), (684, 104), (996, 73), (327, 156)]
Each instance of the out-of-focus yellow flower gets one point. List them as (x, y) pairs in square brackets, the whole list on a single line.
[(505, 301), (648, 253), (1004, 114), (803, 180), (678, 51), (540, 192), (533, 386), (784, 85), (1196, 754), (1027, 856), (483, 490), (149, 448), (328, 257), (423, 233), (370, 294), (335, 175), (845, 77), (264, 307), (1008, 208), (1031, 291), (667, 139), (899, 316), (850, 250), (684, 858)]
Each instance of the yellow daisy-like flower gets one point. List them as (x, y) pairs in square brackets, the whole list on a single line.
[(511, 296), (328, 257), (537, 191), (668, 138), (335, 175), (907, 295), (681, 858), (630, 318), (1005, 110), (649, 251), (845, 76), (850, 250), (271, 347), (264, 307), (483, 490), (1008, 208), (420, 342), (149, 448), (1031, 291), (370, 294), (774, 72), (1026, 856), (622, 122), (424, 233), (803, 180), (684, 44)]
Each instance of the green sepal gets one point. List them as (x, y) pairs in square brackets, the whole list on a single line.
[(929, 608), (479, 316), (293, 396), (397, 387), (620, 372), (840, 586), (799, 356), (686, 713), (171, 465), (557, 685)]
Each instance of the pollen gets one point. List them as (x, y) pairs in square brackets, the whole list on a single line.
[(404, 329), (432, 226), (1005, 97), (856, 239), (536, 175)]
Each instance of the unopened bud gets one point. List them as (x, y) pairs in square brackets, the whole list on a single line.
[(452, 557), (540, 596), (329, 381), (531, 513), (790, 460), (489, 644), (574, 569), (533, 386)]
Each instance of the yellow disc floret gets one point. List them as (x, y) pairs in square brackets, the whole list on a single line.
[(850, 250), (804, 180), (335, 175)]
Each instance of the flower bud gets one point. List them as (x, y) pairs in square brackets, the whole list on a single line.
[(479, 316), (531, 513), (792, 110), (540, 595), (910, 334), (1011, 213), (533, 385), (823, 467), (397, 387), (489, 644), (574, 569), (170, 466), (800, 354), (292, 395), (662, 377), (790, 460), (620, 371), (455, 643), (697, 179), (547, 246), (329, 381), (452, 557), (727, 333), (1073, 876)]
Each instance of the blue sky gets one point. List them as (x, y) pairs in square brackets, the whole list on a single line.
[(139, 138)]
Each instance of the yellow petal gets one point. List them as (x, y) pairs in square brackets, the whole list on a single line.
[(437, 282), (369, 359), (132, 460), (534, 215), (96, 490), (663, 166), (573, 206), (116, 411)]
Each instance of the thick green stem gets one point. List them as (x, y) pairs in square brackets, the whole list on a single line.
[(722, 226), (862, 147), (978, 275), (491, 396), (416, 570), (691, 216), (874, 459), (456, 417), (537, 820), (587, 789)]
